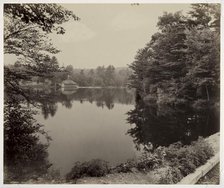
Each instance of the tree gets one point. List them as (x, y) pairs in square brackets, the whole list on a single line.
[(48, 17), (82, 78), (25, 35), (24, 155), (69, 69), (109, 75), (181, 58), (200, 14), (139, 66), (203, 62), (100, 72), (54, 64), (206, 15), (203, 56)]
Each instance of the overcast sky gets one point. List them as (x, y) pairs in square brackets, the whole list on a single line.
[(108, 34)]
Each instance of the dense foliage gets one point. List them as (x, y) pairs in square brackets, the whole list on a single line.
[(181, 63), (170, 163), (179, 160), (93, 168), (101, 76), (25, 157), (25, 35), (26, 28)]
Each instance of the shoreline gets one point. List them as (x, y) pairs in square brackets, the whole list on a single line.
[(151, 177), (136, 176)]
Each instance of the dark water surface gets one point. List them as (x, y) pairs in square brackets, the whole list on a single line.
[(87, 124), (105, 124)]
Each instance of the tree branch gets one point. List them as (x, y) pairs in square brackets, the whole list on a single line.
[(18, 31)]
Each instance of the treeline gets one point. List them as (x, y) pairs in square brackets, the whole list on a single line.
[(49, 68), (181, 63), (101, 76)]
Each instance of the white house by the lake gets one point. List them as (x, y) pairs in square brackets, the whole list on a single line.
[(69, 84)]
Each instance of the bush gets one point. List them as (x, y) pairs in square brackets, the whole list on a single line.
[(126, 167), (97, 168), (149, 161), (172, 163), (183, 160), (169, 175), (146, 162), (93, 168)]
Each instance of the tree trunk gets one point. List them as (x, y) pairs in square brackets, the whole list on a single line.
[(208, 98)]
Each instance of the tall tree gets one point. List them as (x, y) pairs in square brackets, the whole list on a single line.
[(181, 59), (25, 35)]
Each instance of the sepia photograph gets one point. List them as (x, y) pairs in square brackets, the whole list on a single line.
[(111, 93)]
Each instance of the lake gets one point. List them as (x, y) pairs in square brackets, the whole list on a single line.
[(107, 124), (90, 124)]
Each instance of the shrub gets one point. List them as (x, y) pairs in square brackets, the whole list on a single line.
[(169, 175), (171, 163), (146, 162), (183, 160), (126, 167), (149, 161), (93, 168), (97, 167)]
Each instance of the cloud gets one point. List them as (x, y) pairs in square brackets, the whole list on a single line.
[(128, 20), (75, 32)]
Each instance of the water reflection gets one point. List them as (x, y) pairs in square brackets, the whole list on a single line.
[(102, 97), (161, 126), (101, 135), (25, 157)]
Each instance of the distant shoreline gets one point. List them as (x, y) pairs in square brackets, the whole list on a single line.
[(79, 87)]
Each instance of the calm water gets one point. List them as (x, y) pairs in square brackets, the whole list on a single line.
[(93, 123), (89, 124), (107, 124)]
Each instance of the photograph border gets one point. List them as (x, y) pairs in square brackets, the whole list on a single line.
[(113, 2)]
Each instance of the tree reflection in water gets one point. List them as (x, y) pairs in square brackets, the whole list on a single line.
[(102, 98), (160, 126), (25, 157)]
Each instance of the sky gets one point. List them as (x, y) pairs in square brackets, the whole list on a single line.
[(108, 34)]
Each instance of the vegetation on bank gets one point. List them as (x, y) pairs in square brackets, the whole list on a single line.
[(50, 71), (101, 76), (179, 160), (171, 163), (93, 168), (181, 63)]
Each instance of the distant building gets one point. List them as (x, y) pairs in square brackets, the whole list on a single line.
[(69, 84)]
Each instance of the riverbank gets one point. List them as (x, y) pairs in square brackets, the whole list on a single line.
[(136, 177), (207, 168), (161, 175)]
